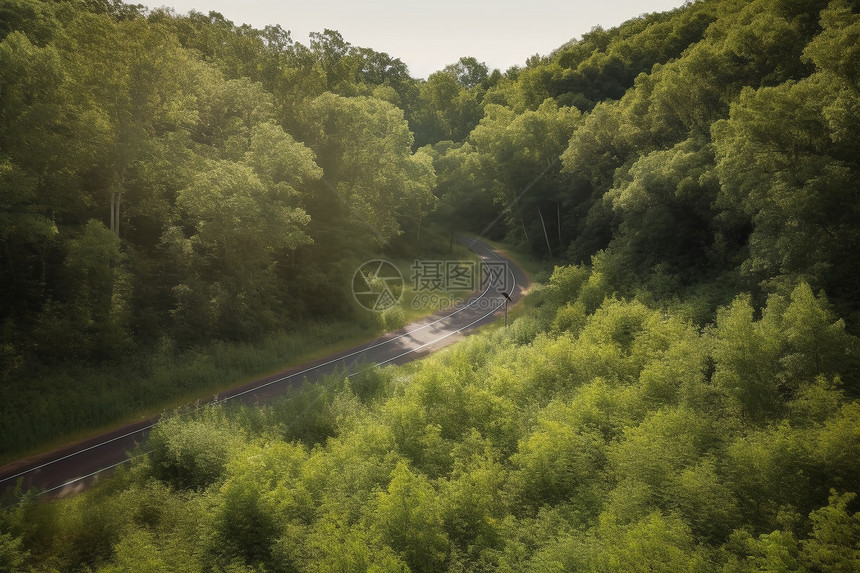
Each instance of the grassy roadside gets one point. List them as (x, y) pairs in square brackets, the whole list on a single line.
[(525, 260), (147, 386), (536, 270), (56, 409)]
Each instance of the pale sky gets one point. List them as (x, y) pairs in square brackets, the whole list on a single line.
[(427, 35)]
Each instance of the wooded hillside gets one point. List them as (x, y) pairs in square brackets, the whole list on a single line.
[(678, 394)]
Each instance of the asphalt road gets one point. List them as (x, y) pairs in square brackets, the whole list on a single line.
[(71, 469)]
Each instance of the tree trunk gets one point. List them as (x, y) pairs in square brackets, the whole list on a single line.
[(544, 232), (115, 203), (558, 212), (522, 221)]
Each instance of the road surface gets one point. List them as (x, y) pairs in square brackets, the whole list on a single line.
[(71, 469)]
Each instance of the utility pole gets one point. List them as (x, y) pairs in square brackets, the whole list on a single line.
[(507, 298)]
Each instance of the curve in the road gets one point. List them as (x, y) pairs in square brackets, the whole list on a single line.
[(71, 469)]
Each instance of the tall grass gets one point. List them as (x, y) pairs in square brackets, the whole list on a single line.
[(47, 407)]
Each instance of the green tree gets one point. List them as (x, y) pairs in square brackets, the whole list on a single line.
[(781, 164), (706, 501), (448, 108), (665, 201), (365, 149), (834, 49), (557, 463), (335, 56), (229, 111), (261, 502), (11, 556), (469, 72), (746, 357), (518, 157), (241, 226), (817, 343), (192, 454), (409, 520), (653, 543), (660, 449), (465, 203), (140, 551), (102, 292), (472, 498), (834, 544), (37, 20), (31, 108)]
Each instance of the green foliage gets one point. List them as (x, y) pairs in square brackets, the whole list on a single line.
[(666, 200), (557, 462), (835, 537), (517, 152), (802, 180), (634, 440), (831, 546), (654, 543), (409, 520), (154, 189), (758, 362), (682, 399), (365, 148), (11, 557), (191, 455), (746, 357), (259, 487)]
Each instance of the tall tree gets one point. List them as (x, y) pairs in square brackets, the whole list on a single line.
[(365, 149)]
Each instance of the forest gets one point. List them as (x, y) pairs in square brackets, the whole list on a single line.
[(678, 392)]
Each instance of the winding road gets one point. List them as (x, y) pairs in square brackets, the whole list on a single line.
[(72, 468)]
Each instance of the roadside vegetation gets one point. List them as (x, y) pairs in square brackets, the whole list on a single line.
[(58, 405), (680, 392), (595, 433)]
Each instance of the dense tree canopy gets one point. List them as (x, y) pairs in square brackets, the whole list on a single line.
[(713, 142), (680, 393), (628, 437)]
